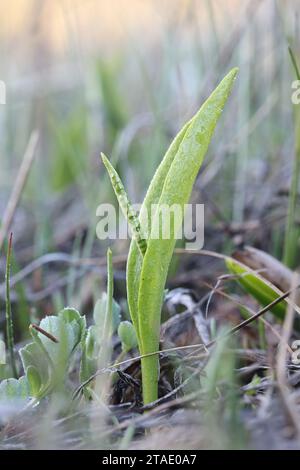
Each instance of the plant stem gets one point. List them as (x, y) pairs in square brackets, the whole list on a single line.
[(150, 375), (105, 350), (109, 299), (9, 321)]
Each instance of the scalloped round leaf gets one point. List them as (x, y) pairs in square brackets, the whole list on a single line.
[(14, 389), (72, 316), (33, 355), (67, 335)]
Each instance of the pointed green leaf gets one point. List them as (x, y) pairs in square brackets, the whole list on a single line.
[(176, 190), (135, 259), (261, 289), (171, 185)]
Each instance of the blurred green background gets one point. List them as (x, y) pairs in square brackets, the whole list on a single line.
[(122, 77)]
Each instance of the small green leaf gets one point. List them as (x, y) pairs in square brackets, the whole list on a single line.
[(78, 322), (46, 361), (67, 327), (92, 342), (127, 335), (90, 352), (100, 310), (35, 357), (14, 389), (34, 381)]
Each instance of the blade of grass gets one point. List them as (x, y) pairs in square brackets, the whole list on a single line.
[(9, 320), (294, 62), (109, 300), (102, 383)]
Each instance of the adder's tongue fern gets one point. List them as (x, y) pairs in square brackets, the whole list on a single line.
[(148, 261), (125, 205)]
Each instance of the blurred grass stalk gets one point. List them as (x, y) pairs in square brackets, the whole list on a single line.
[(292, 231), (223, 422), (102, 381), (242, 155)]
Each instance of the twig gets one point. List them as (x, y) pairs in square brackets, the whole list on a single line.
[(251, 312), (44, 332), (59, 258), (18, 187), (262, 311)]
